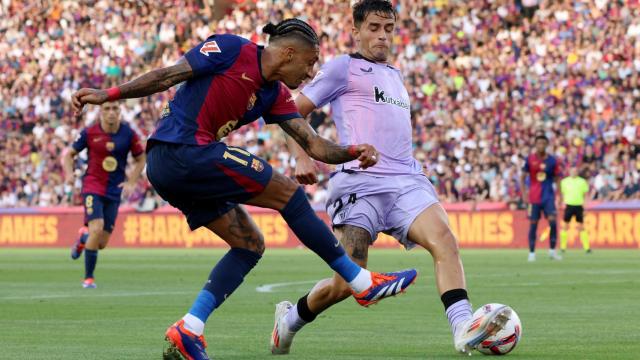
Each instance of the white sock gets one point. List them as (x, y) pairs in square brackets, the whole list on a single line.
[(193, 324), (293, 319), (552, 252), (458, 313), (362, 281)]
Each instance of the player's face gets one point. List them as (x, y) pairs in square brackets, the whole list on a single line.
[(298, 65), (541, 146), (374, 36), (110, 114), (573, 171)]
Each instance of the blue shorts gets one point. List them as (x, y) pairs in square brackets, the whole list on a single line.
[(205, 181), (100, 207), (534, 210)]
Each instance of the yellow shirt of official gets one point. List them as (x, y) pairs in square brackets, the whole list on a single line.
[(573, 190)]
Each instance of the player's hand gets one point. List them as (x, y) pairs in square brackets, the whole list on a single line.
[(87, 96), (127, 188), (306, 170), (367, 155)]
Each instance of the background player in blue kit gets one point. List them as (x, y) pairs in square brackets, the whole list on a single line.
[(543, 170), (228, 82), (108, 142)]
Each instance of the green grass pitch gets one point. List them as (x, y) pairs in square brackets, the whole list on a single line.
[(584, 307)]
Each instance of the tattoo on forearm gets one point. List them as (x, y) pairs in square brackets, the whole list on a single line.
[(314, 145), (156, 81)]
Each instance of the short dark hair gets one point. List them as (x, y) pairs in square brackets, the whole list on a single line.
[(542, 137), (365, 7), (292, 28)]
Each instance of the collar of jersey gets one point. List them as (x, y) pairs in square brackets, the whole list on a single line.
[(260, 48), (357, 55)]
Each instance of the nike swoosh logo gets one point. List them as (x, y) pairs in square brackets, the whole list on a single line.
[(337, 244), (367, 70), (96, 140), (245, 77)]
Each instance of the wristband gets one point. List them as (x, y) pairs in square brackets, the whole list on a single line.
[(353, 151), (113, 93)]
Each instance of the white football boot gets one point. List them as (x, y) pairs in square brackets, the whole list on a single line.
[(281, 337), (478, 328)]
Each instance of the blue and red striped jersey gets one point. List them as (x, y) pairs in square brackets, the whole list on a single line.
[(107, 158), (542, 173), (227, 90)]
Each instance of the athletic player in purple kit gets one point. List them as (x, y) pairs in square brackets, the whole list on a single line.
[(370, 104), (108, 142), (543, 170), (228, 81)]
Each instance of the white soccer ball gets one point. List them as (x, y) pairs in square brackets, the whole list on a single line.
[(505, 340)]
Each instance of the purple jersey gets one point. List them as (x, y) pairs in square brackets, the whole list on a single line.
[(370, 105), (227, 90)]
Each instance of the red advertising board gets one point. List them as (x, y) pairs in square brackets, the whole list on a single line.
[(168, 228)]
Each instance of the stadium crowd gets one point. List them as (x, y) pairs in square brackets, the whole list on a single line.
[(484, 77)]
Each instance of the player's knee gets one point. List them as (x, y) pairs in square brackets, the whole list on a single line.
[(255, 243), (279, 191), (96, 229)]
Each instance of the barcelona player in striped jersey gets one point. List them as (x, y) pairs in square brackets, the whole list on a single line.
[(108, 142), (543, 171), (227, 82)]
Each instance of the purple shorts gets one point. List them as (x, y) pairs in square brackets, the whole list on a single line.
[(387, 204)]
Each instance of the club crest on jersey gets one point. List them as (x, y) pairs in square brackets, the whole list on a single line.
[(110, 146), (252, 101), (210, 47), (541, 176), (165, 111), (257, 165), (109, 164)]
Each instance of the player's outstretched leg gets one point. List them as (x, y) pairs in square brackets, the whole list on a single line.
[(368, 288), (431, 230), (289, 318), (185, 337), (78, 246)]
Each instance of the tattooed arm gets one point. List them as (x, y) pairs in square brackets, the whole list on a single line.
[(150, 83), (324, 150)]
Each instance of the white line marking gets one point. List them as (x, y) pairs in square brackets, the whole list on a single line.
[(267, 288), (92, 293)]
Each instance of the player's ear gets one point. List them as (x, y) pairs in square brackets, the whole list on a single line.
[(287, 54), (355, 32)]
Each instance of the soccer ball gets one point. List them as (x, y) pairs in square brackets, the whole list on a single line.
[(505, 340)]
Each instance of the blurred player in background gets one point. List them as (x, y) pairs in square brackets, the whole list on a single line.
[(108, 142), (370, 103), (227, 82), (543, 170), (574, 189)]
